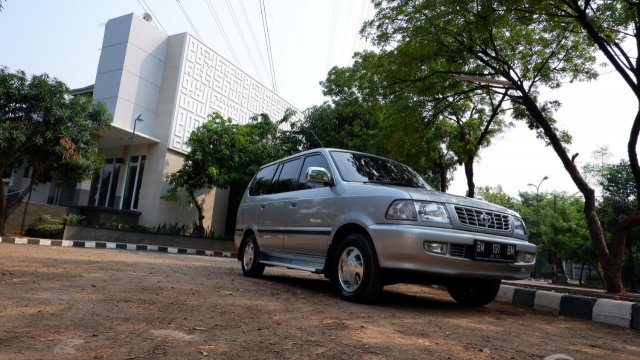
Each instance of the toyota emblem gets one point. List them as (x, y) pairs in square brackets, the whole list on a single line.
[(486, 219)]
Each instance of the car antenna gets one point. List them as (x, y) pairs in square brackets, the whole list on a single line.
[(314, 135)]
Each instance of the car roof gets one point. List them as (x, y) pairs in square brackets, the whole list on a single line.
[(316, 150)]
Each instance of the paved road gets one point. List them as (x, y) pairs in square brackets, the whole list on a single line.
[(69, 303)]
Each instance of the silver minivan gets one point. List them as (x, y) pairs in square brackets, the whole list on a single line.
[(365, 222)]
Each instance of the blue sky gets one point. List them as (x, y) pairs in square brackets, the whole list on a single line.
[(63, 38)]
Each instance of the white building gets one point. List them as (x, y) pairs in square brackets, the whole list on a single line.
[(173, 82)]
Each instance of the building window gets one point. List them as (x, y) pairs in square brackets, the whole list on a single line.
[(134, 182), (103, 186)]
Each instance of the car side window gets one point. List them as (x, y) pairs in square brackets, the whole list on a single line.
[(288, 175), (261, 184), (316, 160)]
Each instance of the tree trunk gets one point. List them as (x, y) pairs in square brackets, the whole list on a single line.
[(559, 274), (632, 265), (581, 273), (3, 222), (631, 78), (611, 265), (6, 209), (199, 231), (443, 177), (468, 172), (3, 208)]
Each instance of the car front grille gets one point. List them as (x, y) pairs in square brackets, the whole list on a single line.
[(483, 219)]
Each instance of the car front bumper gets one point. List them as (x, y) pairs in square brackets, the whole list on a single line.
[(401, 247)]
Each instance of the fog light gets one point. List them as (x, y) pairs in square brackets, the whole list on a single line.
[(435, 248), (527, 258)]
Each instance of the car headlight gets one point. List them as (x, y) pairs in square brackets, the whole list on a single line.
[(527, 258), (418, 211), (519, 228)]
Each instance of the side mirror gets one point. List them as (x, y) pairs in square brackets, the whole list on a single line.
[(318, 175)]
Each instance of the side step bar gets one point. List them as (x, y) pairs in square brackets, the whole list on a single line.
[(292, 264)]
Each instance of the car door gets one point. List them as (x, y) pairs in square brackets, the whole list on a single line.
[(272, 207), (308, 214), (269, 221)]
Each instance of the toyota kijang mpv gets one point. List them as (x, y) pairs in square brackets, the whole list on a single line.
[(365, 222)]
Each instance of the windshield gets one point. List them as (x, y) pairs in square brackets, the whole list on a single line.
[(372, 169)]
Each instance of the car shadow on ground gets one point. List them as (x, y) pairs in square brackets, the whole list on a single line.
[(392, 296)]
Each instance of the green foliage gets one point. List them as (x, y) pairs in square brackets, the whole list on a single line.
[(45, 231), (178, 229), (224, 154), (208, 233), (46, 227), (43, 125), (428, 46), (408, 105), (171, 229), (497, 196), (74, 219), (555, 222)]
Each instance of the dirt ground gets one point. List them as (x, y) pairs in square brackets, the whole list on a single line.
[(71, 303)]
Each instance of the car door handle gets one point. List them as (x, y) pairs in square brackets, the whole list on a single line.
[(293, 204)]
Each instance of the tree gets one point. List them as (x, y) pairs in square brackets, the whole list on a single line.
[(555, 222), (613, 28), (618, 198), (43, 126), (339, 126), (477, 119), (497, 196), (226, 155), (438, 129), (511, 45)]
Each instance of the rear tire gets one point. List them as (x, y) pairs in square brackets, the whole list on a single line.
[(356, 273), (474, 292), (250, 257)]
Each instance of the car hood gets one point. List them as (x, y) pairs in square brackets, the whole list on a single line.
[(436, 196)]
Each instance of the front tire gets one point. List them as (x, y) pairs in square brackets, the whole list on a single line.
[(356, 274), (474, 292), (250, 258)]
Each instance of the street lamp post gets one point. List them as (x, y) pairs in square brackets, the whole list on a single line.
[(538, 197), (126, 170), (538, 215)]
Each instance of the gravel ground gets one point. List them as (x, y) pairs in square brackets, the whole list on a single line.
[(69, 303)]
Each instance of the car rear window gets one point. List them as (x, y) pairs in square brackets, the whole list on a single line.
[(261, 184), (288, 176)]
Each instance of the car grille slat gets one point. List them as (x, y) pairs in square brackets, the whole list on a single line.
[(483, 219), (463, 251)]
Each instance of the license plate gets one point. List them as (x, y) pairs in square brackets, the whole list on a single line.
[(493, 251)]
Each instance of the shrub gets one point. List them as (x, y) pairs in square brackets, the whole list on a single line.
[(74, 219), (172, 229), (46, 227), (46, 231), (47, 220)]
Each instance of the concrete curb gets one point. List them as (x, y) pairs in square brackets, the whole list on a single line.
[(116, 246), (612, 312)]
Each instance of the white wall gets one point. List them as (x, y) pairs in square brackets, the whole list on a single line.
[(209, 83), (130, 71)]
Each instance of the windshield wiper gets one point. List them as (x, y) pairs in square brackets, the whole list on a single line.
[(388, 182)]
